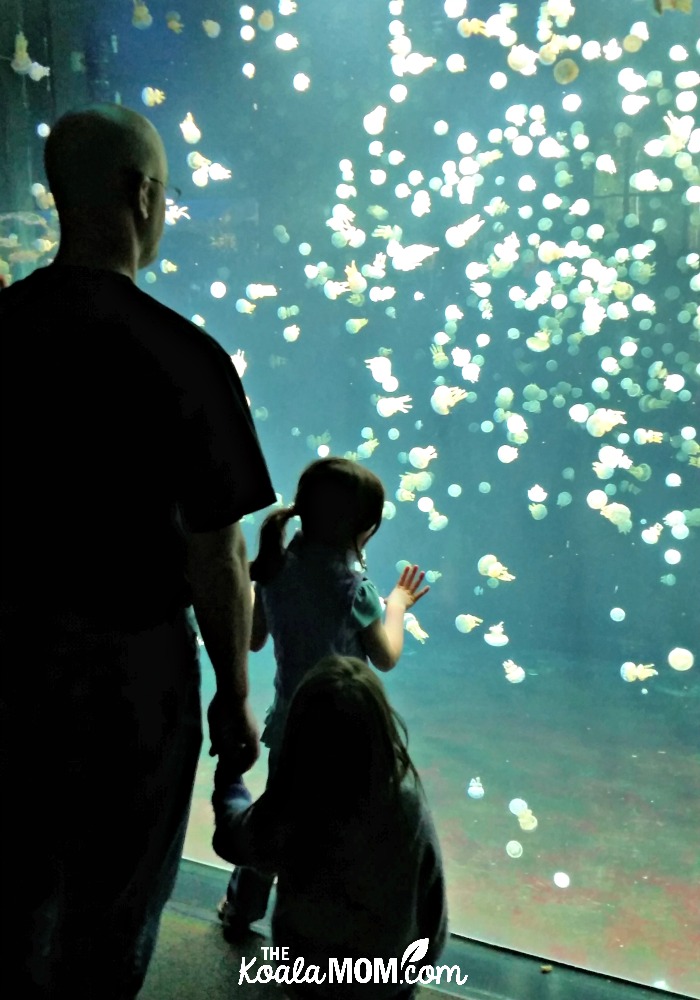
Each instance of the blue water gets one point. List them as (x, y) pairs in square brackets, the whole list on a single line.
[(605, 764)]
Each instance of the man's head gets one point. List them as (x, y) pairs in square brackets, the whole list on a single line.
[(106, 166)]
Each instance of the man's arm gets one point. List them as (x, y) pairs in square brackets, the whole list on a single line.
[(217, 568)]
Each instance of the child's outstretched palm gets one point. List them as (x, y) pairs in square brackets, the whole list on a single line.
[(408, 590)]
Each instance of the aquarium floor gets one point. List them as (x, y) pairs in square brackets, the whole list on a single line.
[(193, 962)]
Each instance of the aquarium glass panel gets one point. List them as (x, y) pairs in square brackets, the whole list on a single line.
[(460, 242)]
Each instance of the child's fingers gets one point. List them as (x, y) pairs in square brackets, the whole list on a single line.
[(408, 576), (421, 593)]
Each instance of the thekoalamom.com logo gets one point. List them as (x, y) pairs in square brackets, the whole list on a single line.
[(343, 971)]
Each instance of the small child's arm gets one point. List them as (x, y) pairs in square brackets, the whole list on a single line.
[(383, 640)]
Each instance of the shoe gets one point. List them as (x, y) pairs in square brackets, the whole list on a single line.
[(235, 927)]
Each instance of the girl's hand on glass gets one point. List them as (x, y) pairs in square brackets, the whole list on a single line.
[(408, 590)]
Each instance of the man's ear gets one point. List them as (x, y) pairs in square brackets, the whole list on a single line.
[(144, 199)]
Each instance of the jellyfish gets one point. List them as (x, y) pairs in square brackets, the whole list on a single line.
[(514, 673), (471, 26), (527, 820), (141, 17), (465, 623), (21, 61), (680, 658), (565, 71), (412, 625), (152, 96), (475, 789), (188, 127), (619, 515), (496, 636), (174, 21)]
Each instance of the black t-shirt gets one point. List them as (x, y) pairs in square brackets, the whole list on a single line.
[(122, 424)]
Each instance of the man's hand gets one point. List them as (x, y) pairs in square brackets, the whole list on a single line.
[(234, 734)]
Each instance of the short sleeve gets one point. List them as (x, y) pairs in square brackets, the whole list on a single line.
[(367, 606), (225, 475)]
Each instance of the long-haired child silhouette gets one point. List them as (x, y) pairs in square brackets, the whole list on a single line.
[(344, 825), (314, 598)]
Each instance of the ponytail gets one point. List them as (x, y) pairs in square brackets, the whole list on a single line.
[(271, 548)]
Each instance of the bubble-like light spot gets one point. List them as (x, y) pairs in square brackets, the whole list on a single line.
[(617, 614), (498, 80), (561, 880), (217, 289), (454, 490)]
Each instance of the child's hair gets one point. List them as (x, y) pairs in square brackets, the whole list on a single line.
[(336, 500), (344, 754)]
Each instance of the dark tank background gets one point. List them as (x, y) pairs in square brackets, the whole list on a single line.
[(609, 768)]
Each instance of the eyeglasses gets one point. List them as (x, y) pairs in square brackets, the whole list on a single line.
[(172, 193)]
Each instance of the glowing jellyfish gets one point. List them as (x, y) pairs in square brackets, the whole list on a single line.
[(217, 289), (579, 413), (597, 499), (484, 487), (537, 494), (517, 806), (565, 71), (617, 614), (374, 121), (680, 659), (514, 849), (301, 82), (495, 636), (455, 63), (507, 454), (527, 820), (189, 129), (475, 789), (561, 880), (454, 490)]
